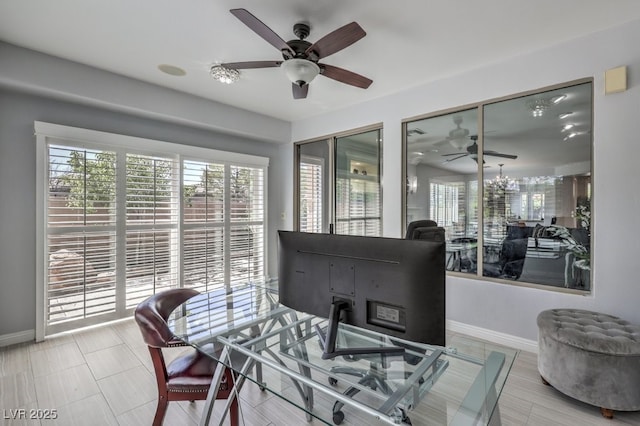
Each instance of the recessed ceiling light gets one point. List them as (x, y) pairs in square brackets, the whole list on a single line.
[(565, 115), (559, 98), (567, 127), (172, 70), (570, 136)]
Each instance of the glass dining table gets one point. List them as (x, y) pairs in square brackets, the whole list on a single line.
[(276, 348)]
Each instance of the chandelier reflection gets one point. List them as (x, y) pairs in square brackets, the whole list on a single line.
[(502, 182)]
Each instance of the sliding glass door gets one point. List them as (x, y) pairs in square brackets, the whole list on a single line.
[(119, 225)]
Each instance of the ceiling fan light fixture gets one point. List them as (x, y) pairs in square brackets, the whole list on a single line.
[(224, 75), (300, 71), (459, 143)]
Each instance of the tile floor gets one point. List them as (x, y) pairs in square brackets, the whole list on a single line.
[(104, 376)]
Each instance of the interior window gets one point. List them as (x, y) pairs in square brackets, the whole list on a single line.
[(531, 220)]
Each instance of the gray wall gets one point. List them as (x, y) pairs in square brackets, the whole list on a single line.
[(505, 308), (18, 111)]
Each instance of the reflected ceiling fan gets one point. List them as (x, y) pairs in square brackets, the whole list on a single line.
[(472, 151), (458, 137), (300, 57)]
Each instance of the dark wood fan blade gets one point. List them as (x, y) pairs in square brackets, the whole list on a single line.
[(344, 76), (453, 159), (252, 64), (299, 92), (337, 40), (261, 29), (498, 154)]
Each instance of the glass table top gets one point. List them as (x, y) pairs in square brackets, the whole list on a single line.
[(279, 349)]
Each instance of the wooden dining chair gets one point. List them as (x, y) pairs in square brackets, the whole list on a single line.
[(188, 377)]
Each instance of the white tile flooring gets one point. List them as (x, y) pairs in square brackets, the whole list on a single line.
[(103, 376)]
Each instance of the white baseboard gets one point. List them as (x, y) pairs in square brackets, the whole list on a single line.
[(493, 336), (453, 326), (19, 337)]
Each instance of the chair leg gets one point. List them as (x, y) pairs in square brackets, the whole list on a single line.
[(606, 413), (233, 413), (160, 411)]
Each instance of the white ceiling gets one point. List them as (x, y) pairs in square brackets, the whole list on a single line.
[(408, 42)]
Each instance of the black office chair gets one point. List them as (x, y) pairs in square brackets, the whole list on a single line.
[(416, 224), (510, 262), (463, 260)]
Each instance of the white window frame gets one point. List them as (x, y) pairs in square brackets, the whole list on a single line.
[(47, 133)]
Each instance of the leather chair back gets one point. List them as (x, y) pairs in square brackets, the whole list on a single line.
[(152, 313)]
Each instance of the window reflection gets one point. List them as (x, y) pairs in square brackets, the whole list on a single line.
[(536, 192), (338, 184), (358, 191), (442, 181)]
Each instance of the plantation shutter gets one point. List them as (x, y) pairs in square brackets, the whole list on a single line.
[(119, 226), (81, 233), (246, 241), (204, 213), (151, 226), (310, 195)]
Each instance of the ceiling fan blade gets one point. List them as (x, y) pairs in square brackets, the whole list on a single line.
[(455, 153), (299, 92), (453, 159), (337, 40), (497, 154), (345, 76), (252, 64), (261, 29)]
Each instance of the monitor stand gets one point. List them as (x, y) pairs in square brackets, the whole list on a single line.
[(328, 340)]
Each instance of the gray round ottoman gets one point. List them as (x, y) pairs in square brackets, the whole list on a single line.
[(592, 357)]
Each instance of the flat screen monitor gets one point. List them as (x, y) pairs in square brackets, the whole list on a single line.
[(392, 286)]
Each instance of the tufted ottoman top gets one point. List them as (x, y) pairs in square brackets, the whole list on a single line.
[(591, 331)]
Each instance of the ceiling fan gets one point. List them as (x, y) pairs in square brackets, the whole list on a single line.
[(300, 57), (472, 151), (458, 137)]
